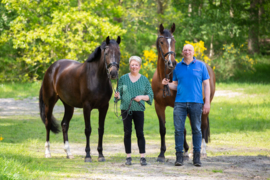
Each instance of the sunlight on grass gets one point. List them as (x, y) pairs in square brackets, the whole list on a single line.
[(239, 125)]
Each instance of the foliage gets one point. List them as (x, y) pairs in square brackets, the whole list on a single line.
[(149, 64), (199, 51), (73, 32), (233, 59), (34, 34)]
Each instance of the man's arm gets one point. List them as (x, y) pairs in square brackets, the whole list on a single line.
[(206, 107)]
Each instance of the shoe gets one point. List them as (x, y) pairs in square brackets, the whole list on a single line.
[(143, 161), (128, 161), (196, 159), (179, 159)]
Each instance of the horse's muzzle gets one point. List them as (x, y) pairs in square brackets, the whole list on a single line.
[(171, 65), (113, 74)]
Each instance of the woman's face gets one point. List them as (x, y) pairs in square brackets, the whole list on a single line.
[(134, 66)]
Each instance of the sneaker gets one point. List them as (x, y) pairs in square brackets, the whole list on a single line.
[(179, 159), (196, 159), (128, 161), (143, 161)]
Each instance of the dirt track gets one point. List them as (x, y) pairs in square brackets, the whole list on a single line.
[(218, 167)]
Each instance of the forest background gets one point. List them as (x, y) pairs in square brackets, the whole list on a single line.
[(232, 36)]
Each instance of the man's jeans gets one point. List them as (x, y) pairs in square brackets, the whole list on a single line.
[(179, 115)]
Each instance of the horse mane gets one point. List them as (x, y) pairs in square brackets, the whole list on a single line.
[(97, 53)]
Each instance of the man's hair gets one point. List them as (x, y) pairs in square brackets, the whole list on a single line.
[(190, 46)]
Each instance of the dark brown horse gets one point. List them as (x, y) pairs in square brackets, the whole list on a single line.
[(83, 85), (166, 63)]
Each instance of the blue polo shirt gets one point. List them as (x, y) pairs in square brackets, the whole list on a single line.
[(190, 78)]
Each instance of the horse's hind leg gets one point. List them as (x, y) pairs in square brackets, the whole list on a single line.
[(49, 120), (65, 125), (186, 147), (205, 134), (102, 116), (160, 110)]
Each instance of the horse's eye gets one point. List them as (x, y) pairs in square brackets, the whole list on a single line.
[(161, 42)]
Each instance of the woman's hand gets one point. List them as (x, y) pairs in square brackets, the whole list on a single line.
[(138, 98), (141, 97), (117, 95)]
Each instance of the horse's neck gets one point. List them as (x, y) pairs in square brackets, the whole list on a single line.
[(96, 68)]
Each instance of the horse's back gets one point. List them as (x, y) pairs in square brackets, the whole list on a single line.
[(62, 79)]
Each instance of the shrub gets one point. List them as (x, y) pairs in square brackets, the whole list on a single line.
[(233, 59)]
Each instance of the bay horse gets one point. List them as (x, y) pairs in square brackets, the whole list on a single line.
[(166, 63), (83, 85)]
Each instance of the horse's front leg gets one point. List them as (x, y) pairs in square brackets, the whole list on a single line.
[(160, 110), (102, 116), (65, 126), (88, 129)]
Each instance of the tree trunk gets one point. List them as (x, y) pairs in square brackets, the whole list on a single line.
[(211, 53), (253, 39), (161, 6)]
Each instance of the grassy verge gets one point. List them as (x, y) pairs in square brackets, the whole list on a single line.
[(239, 123)]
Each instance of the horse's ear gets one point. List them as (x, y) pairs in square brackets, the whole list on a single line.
[(118, 40), (173, 28), (95, 55), (161, 29), (108, 40)]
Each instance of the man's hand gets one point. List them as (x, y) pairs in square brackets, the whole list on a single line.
[(165, 81), (206, 108)]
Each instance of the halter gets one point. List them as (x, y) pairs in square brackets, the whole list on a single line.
[(110, 65), (166, 89)]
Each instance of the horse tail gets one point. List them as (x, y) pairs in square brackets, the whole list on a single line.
[(54, 125), (207, 138)]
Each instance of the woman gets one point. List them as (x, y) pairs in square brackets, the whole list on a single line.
[(134, 85)]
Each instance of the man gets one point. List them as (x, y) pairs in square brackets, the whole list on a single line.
[(188, 77)]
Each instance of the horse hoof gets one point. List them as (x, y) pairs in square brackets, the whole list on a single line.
[(203, 155), (48, 155), (101, 159), (185, 156), (161, 159), (88, 159), (70, 157)]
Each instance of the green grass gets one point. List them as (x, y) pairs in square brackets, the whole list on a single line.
[(241, 122), (19, 90)]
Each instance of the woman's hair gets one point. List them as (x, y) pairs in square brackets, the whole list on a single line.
[(135, 58)]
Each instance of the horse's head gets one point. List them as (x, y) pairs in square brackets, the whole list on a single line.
[(166, 46), (111, 56)]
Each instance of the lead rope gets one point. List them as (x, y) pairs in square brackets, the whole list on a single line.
[(166, 89), (126, 111)]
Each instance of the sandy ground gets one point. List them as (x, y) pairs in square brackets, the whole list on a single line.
[(217, 167)]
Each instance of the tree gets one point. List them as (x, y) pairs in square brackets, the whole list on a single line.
[(46, 31)]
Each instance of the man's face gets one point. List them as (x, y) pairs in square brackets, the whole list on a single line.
[(188, 52)]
